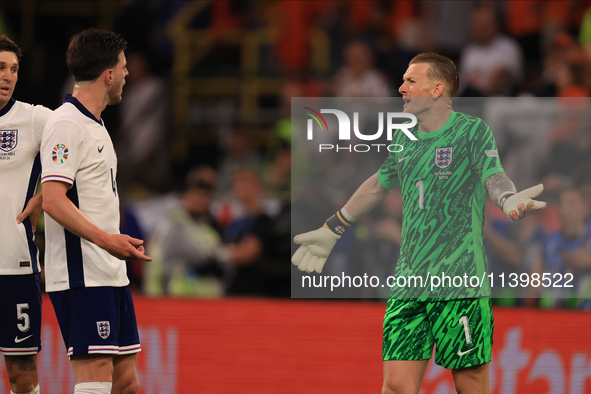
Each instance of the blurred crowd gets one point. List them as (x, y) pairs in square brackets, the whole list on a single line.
[(219, 222)]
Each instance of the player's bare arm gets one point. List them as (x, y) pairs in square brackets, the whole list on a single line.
[(32, 210), (368, 196), (317, 244), (498, 185), (57, 205), (516, 206)]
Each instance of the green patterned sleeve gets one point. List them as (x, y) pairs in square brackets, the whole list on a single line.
[(484, 155), (388, 173)]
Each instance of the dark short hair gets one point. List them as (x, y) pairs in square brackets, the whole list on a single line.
[(93, 51), (7, 45), (440, 68)]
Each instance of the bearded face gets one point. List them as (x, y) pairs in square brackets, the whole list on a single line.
[(119, 74)]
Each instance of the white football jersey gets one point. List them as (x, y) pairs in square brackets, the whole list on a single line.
[(77, 149), (21, 128)]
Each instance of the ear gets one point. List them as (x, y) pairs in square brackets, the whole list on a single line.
[(108, 76), (438, 90)]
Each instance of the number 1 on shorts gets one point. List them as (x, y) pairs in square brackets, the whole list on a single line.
[(464, 322)]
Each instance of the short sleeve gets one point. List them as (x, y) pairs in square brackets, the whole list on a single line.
[(61, 151), (388, 172), (40, 116), (484, 155)]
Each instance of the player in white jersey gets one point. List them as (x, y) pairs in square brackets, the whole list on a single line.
[(21, 128), (84, 262)]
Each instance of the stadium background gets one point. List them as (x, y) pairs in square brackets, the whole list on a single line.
[(216, 78)]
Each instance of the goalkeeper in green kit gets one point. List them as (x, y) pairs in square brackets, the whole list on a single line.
[(444, 178)]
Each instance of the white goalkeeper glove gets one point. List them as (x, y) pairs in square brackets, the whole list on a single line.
[(317, 244), (517, 206)]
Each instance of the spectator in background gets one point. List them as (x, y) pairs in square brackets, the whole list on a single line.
[(245, 237), (524, 23), (143, 138), (278, 167), (240, 153), (276, 275), (186, 245), (569, 158), (503, 251), (130, 225), (568, 251), (446, 29), (358, 78), (565, 68), (569, 80), (492, 64), (377, 243)]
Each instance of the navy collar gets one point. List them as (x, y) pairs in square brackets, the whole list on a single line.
[(73, 100), (7, 107)]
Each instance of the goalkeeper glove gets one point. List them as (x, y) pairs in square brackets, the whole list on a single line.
[(517, 206), (317, 244)]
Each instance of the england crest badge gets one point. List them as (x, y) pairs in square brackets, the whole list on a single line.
[(443, 157), (104, 329), (8, 140)]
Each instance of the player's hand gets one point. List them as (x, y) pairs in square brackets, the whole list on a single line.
[(521, 204), (32, 210), (125, 247), (316, 246)]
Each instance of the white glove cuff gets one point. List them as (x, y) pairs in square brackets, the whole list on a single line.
[(504, 197)]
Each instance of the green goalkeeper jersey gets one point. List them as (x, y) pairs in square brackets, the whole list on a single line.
[(442, 176)]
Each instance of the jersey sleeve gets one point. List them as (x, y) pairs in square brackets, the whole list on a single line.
[(61, 152), (388, 172), (40, 116), (484, 156)]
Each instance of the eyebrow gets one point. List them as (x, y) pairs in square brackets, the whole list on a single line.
[(13, 64)]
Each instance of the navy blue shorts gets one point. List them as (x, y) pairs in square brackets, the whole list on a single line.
[(20, 314), (97, 320)]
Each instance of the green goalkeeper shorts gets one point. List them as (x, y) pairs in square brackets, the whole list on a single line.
[(461, 330)]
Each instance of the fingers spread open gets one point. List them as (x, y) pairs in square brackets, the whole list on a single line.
[(299, 254), (304, 263)]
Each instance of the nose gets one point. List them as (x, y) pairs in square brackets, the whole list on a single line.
[(402, 89), (6, 74)]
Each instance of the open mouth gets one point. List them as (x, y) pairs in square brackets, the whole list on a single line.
[(5, 89), (406, 100)]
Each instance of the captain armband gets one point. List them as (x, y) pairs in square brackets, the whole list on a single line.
[(339, 222)]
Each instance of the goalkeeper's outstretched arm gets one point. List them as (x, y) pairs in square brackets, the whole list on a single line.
[(317, 244), (368, 196), (515, 205)]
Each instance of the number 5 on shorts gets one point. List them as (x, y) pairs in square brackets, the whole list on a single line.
[(464, 321), (20, 315)]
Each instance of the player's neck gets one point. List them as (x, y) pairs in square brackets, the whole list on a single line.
[(91, 96), (434, 118)]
